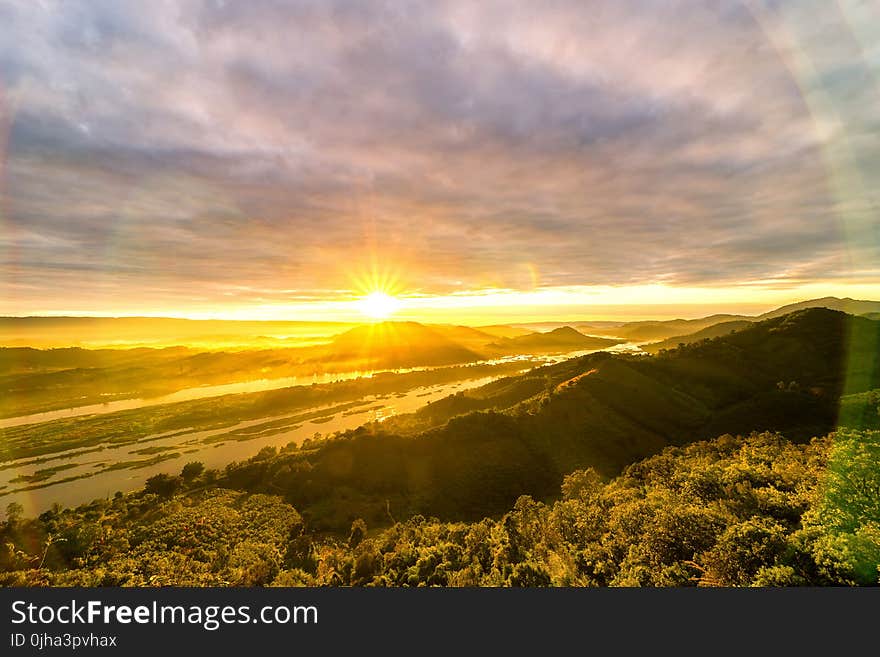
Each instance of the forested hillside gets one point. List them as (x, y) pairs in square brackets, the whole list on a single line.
[(473, 454), (756, 511), (650, 495)]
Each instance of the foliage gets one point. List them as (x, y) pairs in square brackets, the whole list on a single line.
[(473, 499), (846, 516), (192, 470), (734, 511), (474, 453), (213, 538), (729, 512)]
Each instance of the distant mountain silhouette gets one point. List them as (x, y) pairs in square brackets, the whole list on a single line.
[(846, 305), (502, 331), (399, 344), (713, 331), (92, 332), (403, 344), (466, 336), (685, 330), (561, 339), (650, 330)]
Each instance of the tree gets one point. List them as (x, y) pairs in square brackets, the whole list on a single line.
[(847, 511), (743, 550), (358, 533), (14, 512), (162, 484), (192, 470), (581, 483), (528, 575)]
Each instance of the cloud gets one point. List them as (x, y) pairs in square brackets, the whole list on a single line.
[(212, 150)]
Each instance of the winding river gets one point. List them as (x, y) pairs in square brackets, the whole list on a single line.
[(78, 476)]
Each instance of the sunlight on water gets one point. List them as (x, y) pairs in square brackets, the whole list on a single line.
[(194, 446), (258, 385), (81, 475)]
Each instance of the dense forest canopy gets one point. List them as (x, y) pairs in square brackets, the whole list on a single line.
[(734, 511)]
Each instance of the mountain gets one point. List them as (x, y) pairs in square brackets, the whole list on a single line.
[(868, 309), (677, 329), (520, 435), (714, 331), (406, 344), (846, 305), (561, 339), (466, 336), (503, 331), (399, 344), (733, 510), (651, 330)]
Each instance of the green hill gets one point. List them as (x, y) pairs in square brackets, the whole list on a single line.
[(846, 305), (733, 511), (602, 411), (714, 331), (675, 329), (644, 500)]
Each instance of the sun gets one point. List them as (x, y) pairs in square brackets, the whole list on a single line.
[(378, 305)]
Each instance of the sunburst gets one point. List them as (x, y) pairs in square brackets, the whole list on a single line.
[(378, 291)]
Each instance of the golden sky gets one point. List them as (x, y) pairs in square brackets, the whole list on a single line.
[(479, 161)]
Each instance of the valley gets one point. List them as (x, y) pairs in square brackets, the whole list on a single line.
[(453, 441)]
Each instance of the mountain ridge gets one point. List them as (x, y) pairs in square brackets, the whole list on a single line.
[(564, 338), (520, 435)]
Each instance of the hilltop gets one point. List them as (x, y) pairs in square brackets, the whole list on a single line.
[(560, 339), (687, 330), (845, 305), (650, 330), (712, 331), (399, 344)]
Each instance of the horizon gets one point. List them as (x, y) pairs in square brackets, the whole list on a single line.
[(635, 313)]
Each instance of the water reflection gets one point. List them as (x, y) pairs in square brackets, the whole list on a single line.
[(81, 475), (258, 385)]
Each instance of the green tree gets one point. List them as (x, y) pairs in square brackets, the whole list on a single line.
[(162, 484), (14, 512), (358, 533), (847, 513), (192, 470)]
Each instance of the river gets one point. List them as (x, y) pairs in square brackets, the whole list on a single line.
[(78, 476)]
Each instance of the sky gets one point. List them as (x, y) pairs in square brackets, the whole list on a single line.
[(476, 160)]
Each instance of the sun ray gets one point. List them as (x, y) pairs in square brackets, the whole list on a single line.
[(377, 289)]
